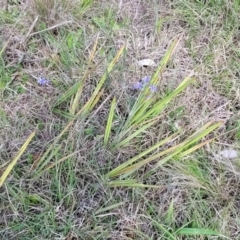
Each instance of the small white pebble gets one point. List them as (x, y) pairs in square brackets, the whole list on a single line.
[(146, 62), (229, 153)]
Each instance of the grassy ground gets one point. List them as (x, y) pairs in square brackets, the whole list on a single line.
[(198, 196)]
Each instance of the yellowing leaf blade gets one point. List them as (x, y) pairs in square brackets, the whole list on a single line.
[(14, 161)]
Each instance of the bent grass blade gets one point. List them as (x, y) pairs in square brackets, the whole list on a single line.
[(14, 161)]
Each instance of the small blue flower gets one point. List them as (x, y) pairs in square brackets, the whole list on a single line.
[(145, 82), (138, 85), (146, 79), (153, 88), (42, 81)]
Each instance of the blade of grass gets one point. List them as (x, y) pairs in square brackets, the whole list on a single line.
[(130, 169), (72, 90), (162, 65), (48, 159), (104, 77), (197, 231), (61, 160), (180, 147), (101, 210), (14, 161), (116, 170), (95, 101), (144, 114), (109, 121), (5, 46), (122, 133), (166, 58), (85, 109), (126, 169), (76, 100), (134, 134), (50, 28), (161, 104), (64, 114), (170, 215), (131, 183), (160, 227), (141, 100), (193, 149)]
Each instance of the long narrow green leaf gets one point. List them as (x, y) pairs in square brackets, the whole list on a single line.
[(206, 129), (72, 90), (197, 231), (109, 121), (141, 102), (76, 100), (95, 101), (129, 183), (170, 215), (193, 149), (104, 77), (166, 58), (64, 114), (14, 161), (161, 66), (126, 169), (184, 145), (160, 227), (130, 169), (85, 109), (115, 171), (101, 210), (135, 133), (49, 158), (5, 46), (61, 160), (161, 104)]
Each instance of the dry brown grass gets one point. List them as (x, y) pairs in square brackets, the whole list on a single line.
[(203, 189)]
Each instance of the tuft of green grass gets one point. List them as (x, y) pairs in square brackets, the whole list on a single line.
[(50, 12), (107, 161)]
